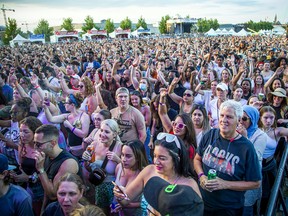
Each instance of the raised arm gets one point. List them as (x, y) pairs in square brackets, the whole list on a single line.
[(177, 99), (162, 111)]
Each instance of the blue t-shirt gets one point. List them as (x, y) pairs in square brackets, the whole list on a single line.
[(53, 209), (233, 161), (16, 202)]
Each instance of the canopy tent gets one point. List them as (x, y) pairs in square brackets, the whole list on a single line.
[(64, 35), (95, 34), (232, 32), (243, 32), (120, 33), (141, 32), (218, 31), (211, 32), (278, 30), (224, 32), (18, 40)]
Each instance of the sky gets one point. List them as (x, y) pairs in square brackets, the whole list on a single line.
[(29, 12)]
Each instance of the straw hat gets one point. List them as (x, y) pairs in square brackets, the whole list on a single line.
[(279, 92)]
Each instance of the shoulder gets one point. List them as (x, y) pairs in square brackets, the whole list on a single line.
[(52, 209), (19, 192)]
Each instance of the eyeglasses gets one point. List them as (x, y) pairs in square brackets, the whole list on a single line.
[(169, 138), (80, 86), (179, 125), (244, 118), (38, 144), (187, 94)]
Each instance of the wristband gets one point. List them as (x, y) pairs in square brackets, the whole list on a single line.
[(35, 87), (161, 104), (41, 171), (73, 129), (200, 174), (134, 65)]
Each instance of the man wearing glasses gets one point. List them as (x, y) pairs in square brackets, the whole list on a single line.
[(52, 162), (130, 120)]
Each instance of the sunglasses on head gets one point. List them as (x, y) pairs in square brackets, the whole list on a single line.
[(187, 94), (169, 138), (179, 125), (244, 118)]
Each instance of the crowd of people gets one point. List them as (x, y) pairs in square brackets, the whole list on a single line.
[(154, 116)]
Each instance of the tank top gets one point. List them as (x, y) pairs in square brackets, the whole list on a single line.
[(270, 147), (52, 166), (74, 140)]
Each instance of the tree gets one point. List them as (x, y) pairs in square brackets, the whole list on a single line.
[(163, 24), (257, 26), (67, 24), (109, 26), (43, 28), (141, 22), (89, 24), (126, 24), (11, 31), (205, 25)]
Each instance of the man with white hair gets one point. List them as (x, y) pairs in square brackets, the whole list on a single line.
[(232, 159)]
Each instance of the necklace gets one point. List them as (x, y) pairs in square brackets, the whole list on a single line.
[(267, 131)]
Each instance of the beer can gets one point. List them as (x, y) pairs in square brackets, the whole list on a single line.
[(212, 174)]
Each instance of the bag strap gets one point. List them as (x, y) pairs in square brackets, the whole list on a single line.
[(106, 158)]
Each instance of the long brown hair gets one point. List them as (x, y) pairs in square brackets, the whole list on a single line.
[(264, 110)]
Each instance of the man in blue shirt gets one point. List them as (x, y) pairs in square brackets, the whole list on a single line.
[(14, 200)]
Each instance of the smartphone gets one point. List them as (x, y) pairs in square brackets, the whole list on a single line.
[(126, 197)]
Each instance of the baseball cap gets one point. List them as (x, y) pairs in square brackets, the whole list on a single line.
[(76, 76), (173, 200), (222, 86), (4, 164)]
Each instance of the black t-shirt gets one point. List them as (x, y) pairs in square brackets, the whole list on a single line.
[(233, 161)]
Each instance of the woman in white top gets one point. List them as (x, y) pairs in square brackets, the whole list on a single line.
[(269, 167)]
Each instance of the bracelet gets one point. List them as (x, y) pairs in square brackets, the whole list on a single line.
[(35, 87), (162, 104), (134, 65), (73, 129), (200, 174)]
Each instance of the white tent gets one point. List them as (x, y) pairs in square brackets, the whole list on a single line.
[(224, 32), (218, 31), (141, 31), (120, 33), (18, 40), (211, 32), (278, 30), (243, 32), (231, 32)]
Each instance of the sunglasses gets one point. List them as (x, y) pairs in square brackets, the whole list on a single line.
[(244, 118), (68, 103), (169, 138), (80, 86), (187, 94), (38, 144), (179, 125)]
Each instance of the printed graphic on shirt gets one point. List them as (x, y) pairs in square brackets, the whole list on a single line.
[(221, 160)]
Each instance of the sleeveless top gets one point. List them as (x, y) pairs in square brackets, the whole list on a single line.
[(181, 111), (129, 211), (74, 140), (270, 147), (52, 166)]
